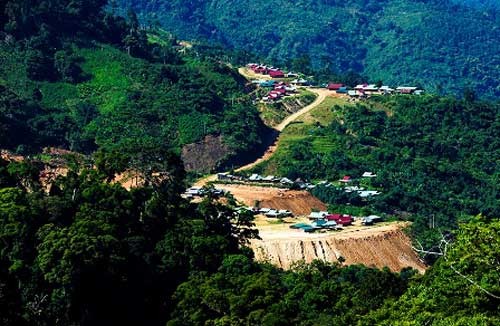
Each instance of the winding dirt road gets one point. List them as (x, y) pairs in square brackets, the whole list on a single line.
[(321, 95)]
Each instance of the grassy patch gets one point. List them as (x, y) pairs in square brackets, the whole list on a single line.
[(111, 77)]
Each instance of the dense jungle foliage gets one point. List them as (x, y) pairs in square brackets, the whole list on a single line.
[(83, 250), (73, 76), (89, 252), (440, 45)]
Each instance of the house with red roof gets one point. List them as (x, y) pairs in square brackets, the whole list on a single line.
[(334, 86), (276, 74), (346, 179)]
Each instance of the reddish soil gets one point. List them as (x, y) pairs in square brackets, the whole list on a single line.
[(298, 202)]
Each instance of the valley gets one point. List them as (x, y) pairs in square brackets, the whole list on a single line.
[(361, 176)]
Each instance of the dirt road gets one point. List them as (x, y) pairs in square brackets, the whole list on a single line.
[(249, 74), (321, 95), (320, 92)]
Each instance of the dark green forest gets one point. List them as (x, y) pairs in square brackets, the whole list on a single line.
[(439, 44), (92, 253), (83, 250)]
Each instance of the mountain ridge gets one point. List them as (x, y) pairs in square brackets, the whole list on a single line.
[(441, 45)]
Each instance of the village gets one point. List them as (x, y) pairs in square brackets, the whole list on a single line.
[(319, 221), (293, 223), (281, 84)]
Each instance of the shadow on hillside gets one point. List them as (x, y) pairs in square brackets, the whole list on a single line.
[(269, 137)]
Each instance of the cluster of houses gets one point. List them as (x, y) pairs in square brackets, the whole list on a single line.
[(327, 221), (366, 90), (272, 72), (192, 192), (301, 184), (270, 212), (279, 90), (271, 179)]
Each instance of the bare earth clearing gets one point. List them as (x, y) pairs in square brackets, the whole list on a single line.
[(298, 202), (382, 245)]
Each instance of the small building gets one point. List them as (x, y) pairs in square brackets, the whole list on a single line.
[(317, 215), (346, 179), (369, 220), (368, 193), (345, 220), (330, 225), (255, 177), (369, 175), (284, 213), (276, 74), (406, 89), (286, 181), (271, 213), (386, 90), (342, 90), (269, 178), (224, 176), (371, 89), (360, 87), (334, 86), (333, 217), (194, 191), (300, 82), (266, 83)]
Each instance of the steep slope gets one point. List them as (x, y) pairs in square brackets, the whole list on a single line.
[(439, 44), (386, 246)]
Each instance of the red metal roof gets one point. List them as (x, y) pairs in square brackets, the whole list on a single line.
[(277, 73), (334, 86)]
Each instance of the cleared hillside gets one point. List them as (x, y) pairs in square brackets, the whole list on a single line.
[(385, 246)]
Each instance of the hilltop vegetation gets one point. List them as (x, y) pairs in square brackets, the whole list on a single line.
[(109, 88), (91, 253), (442, 46), (83, 250)]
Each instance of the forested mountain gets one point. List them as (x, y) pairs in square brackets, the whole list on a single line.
[(435, 43), (76, 77), (482, 4), (80, 249)]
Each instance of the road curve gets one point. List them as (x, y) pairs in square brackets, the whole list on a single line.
[(321, 95)]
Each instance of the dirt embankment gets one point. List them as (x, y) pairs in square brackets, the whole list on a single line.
[(204, 155), (298, 202), (385, 246)]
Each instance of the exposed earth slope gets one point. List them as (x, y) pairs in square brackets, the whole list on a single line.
[(381, 246)]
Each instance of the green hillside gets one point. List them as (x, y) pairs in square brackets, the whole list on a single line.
[(437, 44), (78, 248), (433, 156), (123, 93)]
